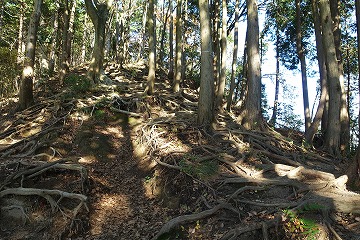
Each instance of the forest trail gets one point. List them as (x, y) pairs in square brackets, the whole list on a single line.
[(126, 164)]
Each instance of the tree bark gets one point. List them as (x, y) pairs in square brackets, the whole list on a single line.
[(252, 116), (332, 137), (301, 55), (235, 53), (20, 52), (206, 95), (26, 98), (66, 20), (309, 135), (53, 42), (98, 13), (179, 43), (171, 41), (152, 46), (222, 80), (277, 80)]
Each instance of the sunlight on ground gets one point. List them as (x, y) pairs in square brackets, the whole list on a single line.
[(109, 205)]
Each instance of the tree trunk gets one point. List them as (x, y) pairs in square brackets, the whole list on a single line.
[(179, 43), (344, 114), (354, 168), (301, 55), (332, 138), (252, 116), (171, 41), (309, 135), (216, 37), (98, 13), (206, 95), (20, 53), (70, 33), (152, 47), (163, 35), (222, 80), (26, 98), (53, 42), (235, 53), (277, 80), (64, 63), (85, 36)]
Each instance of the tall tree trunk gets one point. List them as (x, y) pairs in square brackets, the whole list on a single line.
[(277, 80), (1, 18), (163, 35), (309, 136), (83, 46), (98, 13), (64, 63), (301, 55), (143, 33), (252, 116), (179, 43), (235, 53), (171, 41), (222, 80), (354, 168), (53, 42), (20, 53), (332, 138), (152, 47), (70, 33), (344, 114), (216, 41), (206, 95), (26, 98)]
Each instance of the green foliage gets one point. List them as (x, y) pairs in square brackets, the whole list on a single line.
[(99, 114), (77, 83), (297, 226), (193, 166), (8, 72)]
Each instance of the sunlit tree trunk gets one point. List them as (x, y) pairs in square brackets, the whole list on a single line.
[(70, 33), (222, 80), (206, 96), (309, 136), (163, 34), (178, 51), (332, 137), (301, 55), (235, 53), (251, 115), (98, 12), (152, 45), (26, 98), (344, 114)]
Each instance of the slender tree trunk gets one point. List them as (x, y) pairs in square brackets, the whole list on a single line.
[(309, 136), (143, 33), (85, 36), (184, 39), (70, 33), (20, 53), (1, 17), (222, 80), (277, 80), (252, 116), (216, 41), (64, 63), (53, 42), (163, 35), (235, 53), (171, 41), (179, 43), (26, 98), (98, 13), (152, 46), (301, 55), (332, 138), (206, 96)]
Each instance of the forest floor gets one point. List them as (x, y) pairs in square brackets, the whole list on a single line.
[(108, 162)]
